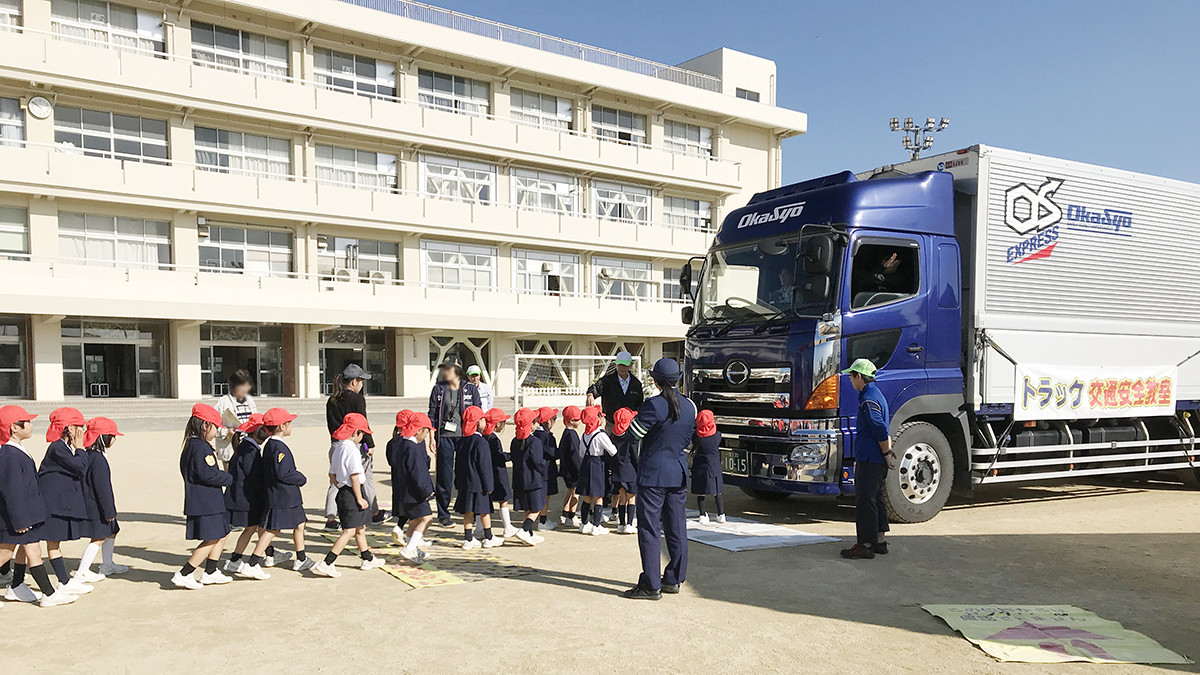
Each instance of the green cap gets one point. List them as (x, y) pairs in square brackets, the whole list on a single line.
[(862, 367), (474, 370), (624, 358)]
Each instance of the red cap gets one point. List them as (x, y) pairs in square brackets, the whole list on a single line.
[(524, 418), (706, 424), (493, 417), (251, 425), (351, 423), (591, 417), (97, 427), (571, 413), (546, 414), (10, 415), (470, 419), (207, 413), (403, 417), (276, 417), (61, 419), (621, 420), (415, 422)]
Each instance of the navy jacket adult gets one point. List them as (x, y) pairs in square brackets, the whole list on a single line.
[(410, 472), (61, 480), (612, 398), (478, 477), (663, 459), (281, 479), (872, 425), (468, 396), (101, 504), (21, 502), (246, 492), (202, 480)]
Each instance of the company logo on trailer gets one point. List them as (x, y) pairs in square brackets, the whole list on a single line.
[(779, 214), (1108, 221), (942, 166), (1026, 210)]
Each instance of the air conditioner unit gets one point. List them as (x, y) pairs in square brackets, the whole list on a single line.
[(548, 268), (202, 229), (344, 274), (380, 277)]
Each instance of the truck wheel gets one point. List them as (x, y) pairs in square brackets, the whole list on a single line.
[(763, 495), (920, 485)]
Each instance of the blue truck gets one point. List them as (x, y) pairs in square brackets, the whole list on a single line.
[(1033, 319)]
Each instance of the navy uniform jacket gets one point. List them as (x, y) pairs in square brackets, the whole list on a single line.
[(281, 479), (570, 450), (499, 456), (529, 462), (663, 459), (478, 465), (21, 503), (61, 480), (871, 428), (468, 396), (246, 492), (97, 487), (621, 464), (202, 480), (410, 471), (549, 441)]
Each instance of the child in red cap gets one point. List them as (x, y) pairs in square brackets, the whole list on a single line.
[(494, 419), (101, 525), (529, 473), (623, 473), (475, 495), (545, 430), (245, 500), (706, 466), (411, 485), (283, 505), (390, 453), (353, 509), (570, 454), (593, 470), (60, 478), (203, 500)]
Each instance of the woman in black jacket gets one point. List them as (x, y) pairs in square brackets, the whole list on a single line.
[(347, 397)]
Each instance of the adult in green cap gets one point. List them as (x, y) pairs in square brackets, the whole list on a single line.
[(873, 457), (475, 377), (617, 389)]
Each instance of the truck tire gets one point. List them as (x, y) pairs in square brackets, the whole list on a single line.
[(763, 495), (920, 485)]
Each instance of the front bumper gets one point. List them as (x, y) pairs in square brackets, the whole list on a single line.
[(782, 455)]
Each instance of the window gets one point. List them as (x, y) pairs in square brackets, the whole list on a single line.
[(883, 273), (236, 250), (360, 75), (541, 110), (236, 152), (103, 358), (545, 272), (617, 278), (452, 92), (618, 125), (345, 258), (10, 15), (671, 288), (687, 139), (453, 265), (622, 203), (13, 365), (14, 231), (109, 24), (691, 214), (106, 240), (457, 179), (747, 94), (103, 134), (356, 168), (12, 121), (543, 191), (239, 50)]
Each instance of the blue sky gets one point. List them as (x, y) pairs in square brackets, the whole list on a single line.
[(1112, 83)]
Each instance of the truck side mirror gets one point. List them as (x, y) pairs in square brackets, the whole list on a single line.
[(687, 313), (818, 255), (816, 289), (685, 281)]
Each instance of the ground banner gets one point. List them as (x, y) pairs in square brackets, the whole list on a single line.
[(739, 534), (1050, 634), (1053, 392)]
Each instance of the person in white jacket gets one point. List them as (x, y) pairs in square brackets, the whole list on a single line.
[(486, 399), (235, 407)]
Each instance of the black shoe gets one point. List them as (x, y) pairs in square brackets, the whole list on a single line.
[(379, 516), (445, 522), (670, 589), (639, 593), (857, 552), (880, 548), (333, 526)]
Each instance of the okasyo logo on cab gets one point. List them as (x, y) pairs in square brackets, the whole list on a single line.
[(779, 214)]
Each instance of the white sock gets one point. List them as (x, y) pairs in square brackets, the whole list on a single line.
[(415, 540), (107, 548), (89, 556), (506, 517)]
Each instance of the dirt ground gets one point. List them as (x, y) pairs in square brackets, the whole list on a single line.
[(1126, 549)]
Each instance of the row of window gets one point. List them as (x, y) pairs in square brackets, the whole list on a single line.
[(110, 241), (123, 27)]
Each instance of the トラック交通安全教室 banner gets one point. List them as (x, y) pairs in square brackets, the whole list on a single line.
[(1054, 392)]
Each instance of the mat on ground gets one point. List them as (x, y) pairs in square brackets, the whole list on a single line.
[(1050, 634), (739, 534)]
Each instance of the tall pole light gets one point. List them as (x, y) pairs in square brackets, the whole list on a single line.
[(917, 137)]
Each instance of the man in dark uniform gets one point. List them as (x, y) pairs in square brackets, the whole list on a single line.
[(873, 457), (664, 424), (618, 389)]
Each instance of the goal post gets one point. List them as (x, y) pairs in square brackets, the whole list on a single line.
[(557, 381)]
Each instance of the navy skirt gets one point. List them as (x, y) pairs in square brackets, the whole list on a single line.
[(98, 529), (251, 518), (418, 510), (706, 476), (473, 502), (284, 519), (208, 528), (530, 500), (501, 489), (552, 477), (593, 478), (629, 486), (31, 536), (57, 528), (349, 515)]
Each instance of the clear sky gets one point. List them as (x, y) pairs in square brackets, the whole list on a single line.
[(1112, 83)]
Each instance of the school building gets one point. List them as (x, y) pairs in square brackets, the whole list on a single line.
[(194, 186)]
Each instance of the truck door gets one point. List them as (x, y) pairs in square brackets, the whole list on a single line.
[(883, 318)]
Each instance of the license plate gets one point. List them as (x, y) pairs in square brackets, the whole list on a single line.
[(735, 462)]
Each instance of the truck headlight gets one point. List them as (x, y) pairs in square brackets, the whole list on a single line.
[(808, 454)]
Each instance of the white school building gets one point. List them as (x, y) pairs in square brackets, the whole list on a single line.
[(194, 186)]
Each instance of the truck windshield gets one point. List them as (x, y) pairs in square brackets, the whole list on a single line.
[(755, 281)]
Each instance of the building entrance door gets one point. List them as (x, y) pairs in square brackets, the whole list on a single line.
[(110, 370)]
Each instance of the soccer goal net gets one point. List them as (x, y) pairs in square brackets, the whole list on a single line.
[(557, 381)]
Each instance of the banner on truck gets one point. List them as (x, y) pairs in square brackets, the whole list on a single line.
[(1046, 392)]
